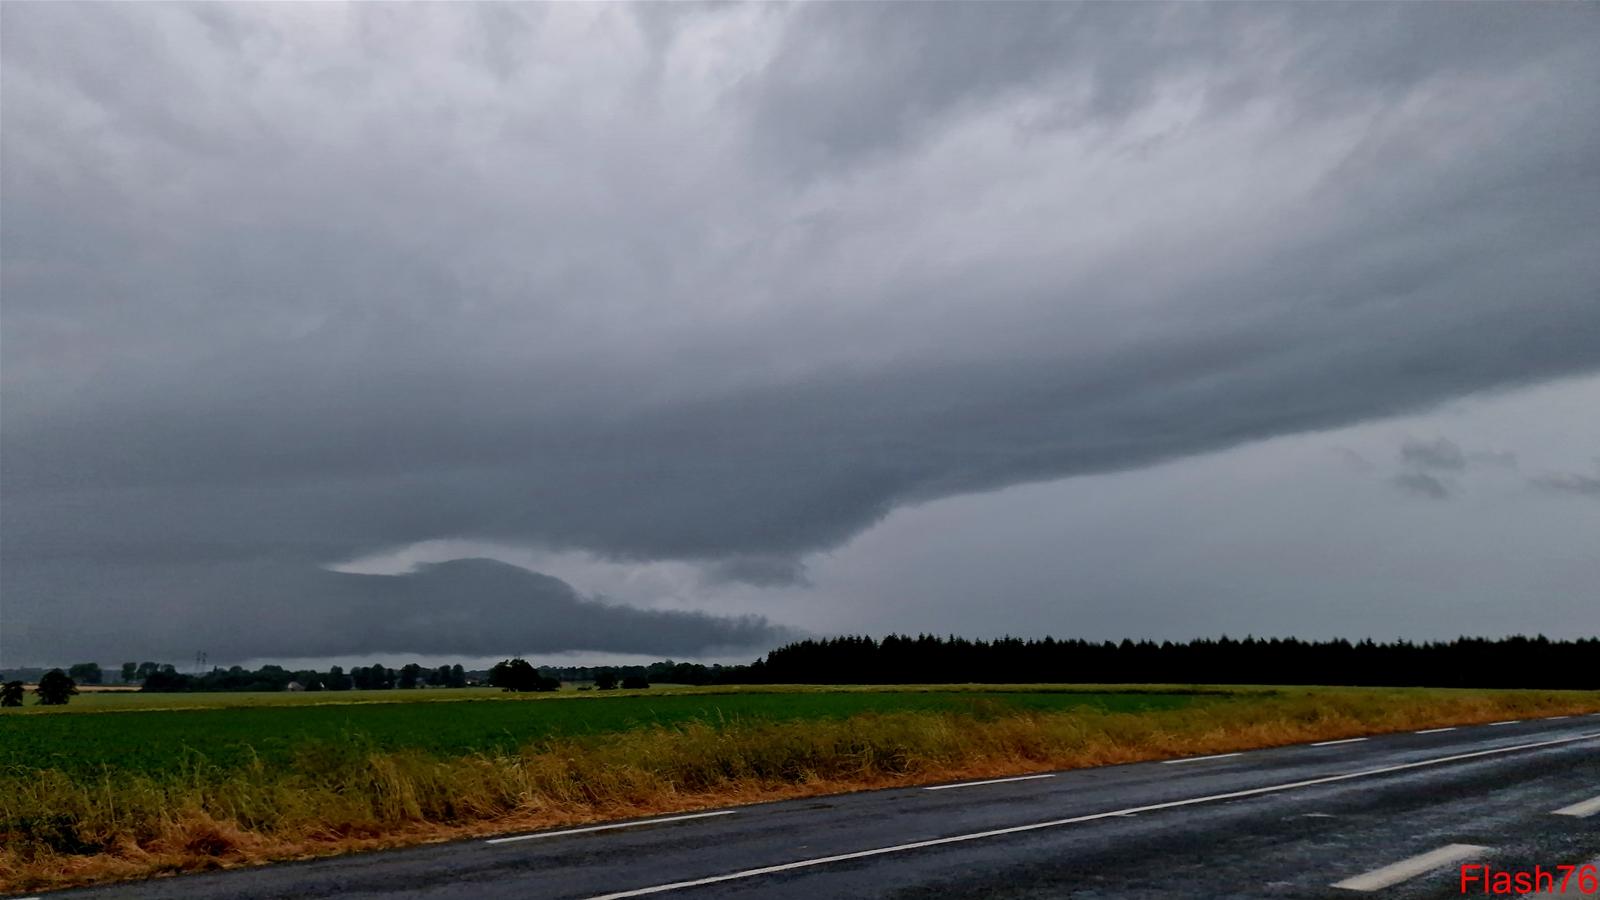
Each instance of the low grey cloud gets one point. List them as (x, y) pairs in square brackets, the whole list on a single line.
[(1575, 483), (1423, 484), (1438, 453), (1436, 467), (761, 571), (285, 285), (1504, 459)]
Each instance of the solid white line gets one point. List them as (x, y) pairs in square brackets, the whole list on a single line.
[(1506, 722), (1331, 743), (1432, 730), (946, 787), (1169, 762), (549, 834), (1581, 810), (1057, 823), (1553, 718), (1406, 869)]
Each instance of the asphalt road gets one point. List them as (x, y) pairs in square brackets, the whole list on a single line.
[(1394, 816)]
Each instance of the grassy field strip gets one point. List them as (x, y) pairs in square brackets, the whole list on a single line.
[(88, 798), (124, 701), (1380, 878)]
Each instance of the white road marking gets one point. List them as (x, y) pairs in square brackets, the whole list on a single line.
[(1553, 718), (1169, 762), (946, 787), (549, 834), (1318, 815), (1406, 869), (1057, 823), (1581, 810), (1506, 722), (1433, 730), (1331, 743)]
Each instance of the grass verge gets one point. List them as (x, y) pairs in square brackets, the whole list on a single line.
[(60, 828)]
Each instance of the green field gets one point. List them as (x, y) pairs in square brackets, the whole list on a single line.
[(229, 731)]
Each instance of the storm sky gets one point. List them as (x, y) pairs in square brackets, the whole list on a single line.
[(339, 331)]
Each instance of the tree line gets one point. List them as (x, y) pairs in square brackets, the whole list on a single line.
[(664, 672), (376, 677), (1513, 662)]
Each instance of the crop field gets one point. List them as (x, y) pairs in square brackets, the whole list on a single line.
[(158, 740), (143, 784)]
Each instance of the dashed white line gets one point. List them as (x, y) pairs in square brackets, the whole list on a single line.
[(1057, 823), (1553, 718), (1169, 762), (946, 787), (1506, 722), (1433, 730), (1332, 743), (1581, 810), (550, 834), (1406, 869)]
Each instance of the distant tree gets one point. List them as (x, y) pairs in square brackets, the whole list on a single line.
[(514, 675), (130, 672), (634, 682), (520, 675), (166, 680), (86, 673), (373, 678), (458, 676), (410, 675), (605, 679), (11, 693), (337, 679), (55, 688), (145, 670)]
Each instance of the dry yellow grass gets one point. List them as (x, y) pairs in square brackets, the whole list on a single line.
[(335, 799)]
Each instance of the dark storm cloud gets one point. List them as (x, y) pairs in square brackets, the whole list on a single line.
[(470, 608), (284, 285)]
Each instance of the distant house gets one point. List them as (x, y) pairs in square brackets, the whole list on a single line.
[(294, 686)]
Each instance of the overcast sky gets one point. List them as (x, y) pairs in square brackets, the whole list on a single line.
[(587, 331)]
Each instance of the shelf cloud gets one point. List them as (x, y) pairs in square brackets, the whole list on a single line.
[(286, 285)]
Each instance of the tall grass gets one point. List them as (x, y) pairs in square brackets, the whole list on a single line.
[(58, 829)]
